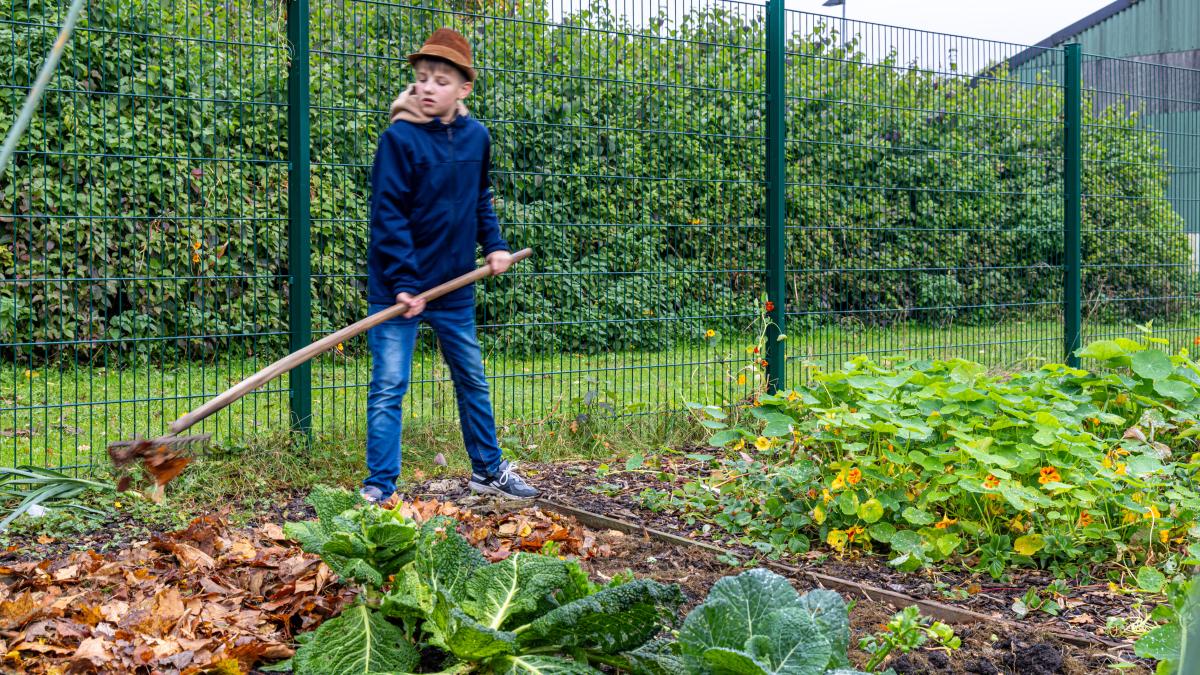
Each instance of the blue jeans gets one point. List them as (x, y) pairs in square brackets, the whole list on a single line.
[(392, 344)]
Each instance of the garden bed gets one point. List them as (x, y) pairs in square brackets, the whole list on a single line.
[(1087, 607), (210, 567), (988, 646)]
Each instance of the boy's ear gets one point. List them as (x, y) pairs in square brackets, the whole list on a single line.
[(466, 89)]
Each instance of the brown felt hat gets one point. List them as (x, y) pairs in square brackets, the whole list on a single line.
[(449, 45)]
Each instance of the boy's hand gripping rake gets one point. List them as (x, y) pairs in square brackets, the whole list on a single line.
[(166, 456)]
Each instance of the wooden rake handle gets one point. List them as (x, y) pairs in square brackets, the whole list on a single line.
[(326, 343)]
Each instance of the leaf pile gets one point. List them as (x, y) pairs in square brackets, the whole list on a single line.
[(202, 599), (499, 535)]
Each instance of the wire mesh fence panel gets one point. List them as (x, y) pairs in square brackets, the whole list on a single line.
[(147, 247), (626, 150), (142, 218), (1141, 199), (924, 199)]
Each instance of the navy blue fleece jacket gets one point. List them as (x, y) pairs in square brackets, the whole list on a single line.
[(431, 205)]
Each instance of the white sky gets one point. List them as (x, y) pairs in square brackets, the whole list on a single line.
[(1021, 21)]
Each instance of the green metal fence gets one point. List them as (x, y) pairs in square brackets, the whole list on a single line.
[(191, 201), (1140, 169)]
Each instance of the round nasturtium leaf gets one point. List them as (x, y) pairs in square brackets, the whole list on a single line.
[(870, 510), (1029, 544)]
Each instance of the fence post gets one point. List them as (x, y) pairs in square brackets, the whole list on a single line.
[(1072, 197), (776, 184), (299, 253)]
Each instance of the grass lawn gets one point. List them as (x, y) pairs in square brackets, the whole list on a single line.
[(64, 415)]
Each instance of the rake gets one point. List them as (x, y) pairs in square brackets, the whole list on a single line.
[(165, 457)]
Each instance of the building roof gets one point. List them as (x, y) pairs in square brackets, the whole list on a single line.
[(1091, 20)]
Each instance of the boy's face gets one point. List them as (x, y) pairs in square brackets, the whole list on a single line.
[(440, 86)]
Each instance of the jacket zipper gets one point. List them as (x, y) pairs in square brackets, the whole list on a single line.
[(453, 170)]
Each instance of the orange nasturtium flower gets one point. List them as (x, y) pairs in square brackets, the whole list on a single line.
[(991, 482), (1085, 519), (854, 476), (945, 522), (1049, 474)]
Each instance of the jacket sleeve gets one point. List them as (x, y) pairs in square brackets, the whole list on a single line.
[(393, 236), (488, 226)]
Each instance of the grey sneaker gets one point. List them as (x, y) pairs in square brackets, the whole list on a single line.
[(504, 483), (373, 495)]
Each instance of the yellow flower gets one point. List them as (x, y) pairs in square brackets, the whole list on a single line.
[(762, 443), (818, 515), (825, 496), (195, 257), (741, 378), (1106, 462), (945, 522), (1154, 513), (837, 539), (793, 396), (1129, 517), (196, 245), (1121, 470), (838, 483), (710, 333), (341, 347), (1016, 525), (1164, 536), (741, 443)]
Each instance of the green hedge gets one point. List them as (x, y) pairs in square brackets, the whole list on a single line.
[(631, 161)]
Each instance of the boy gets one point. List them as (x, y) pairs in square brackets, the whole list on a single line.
[(431, 203)]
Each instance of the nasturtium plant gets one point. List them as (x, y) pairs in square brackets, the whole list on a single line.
[(928, 459)]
